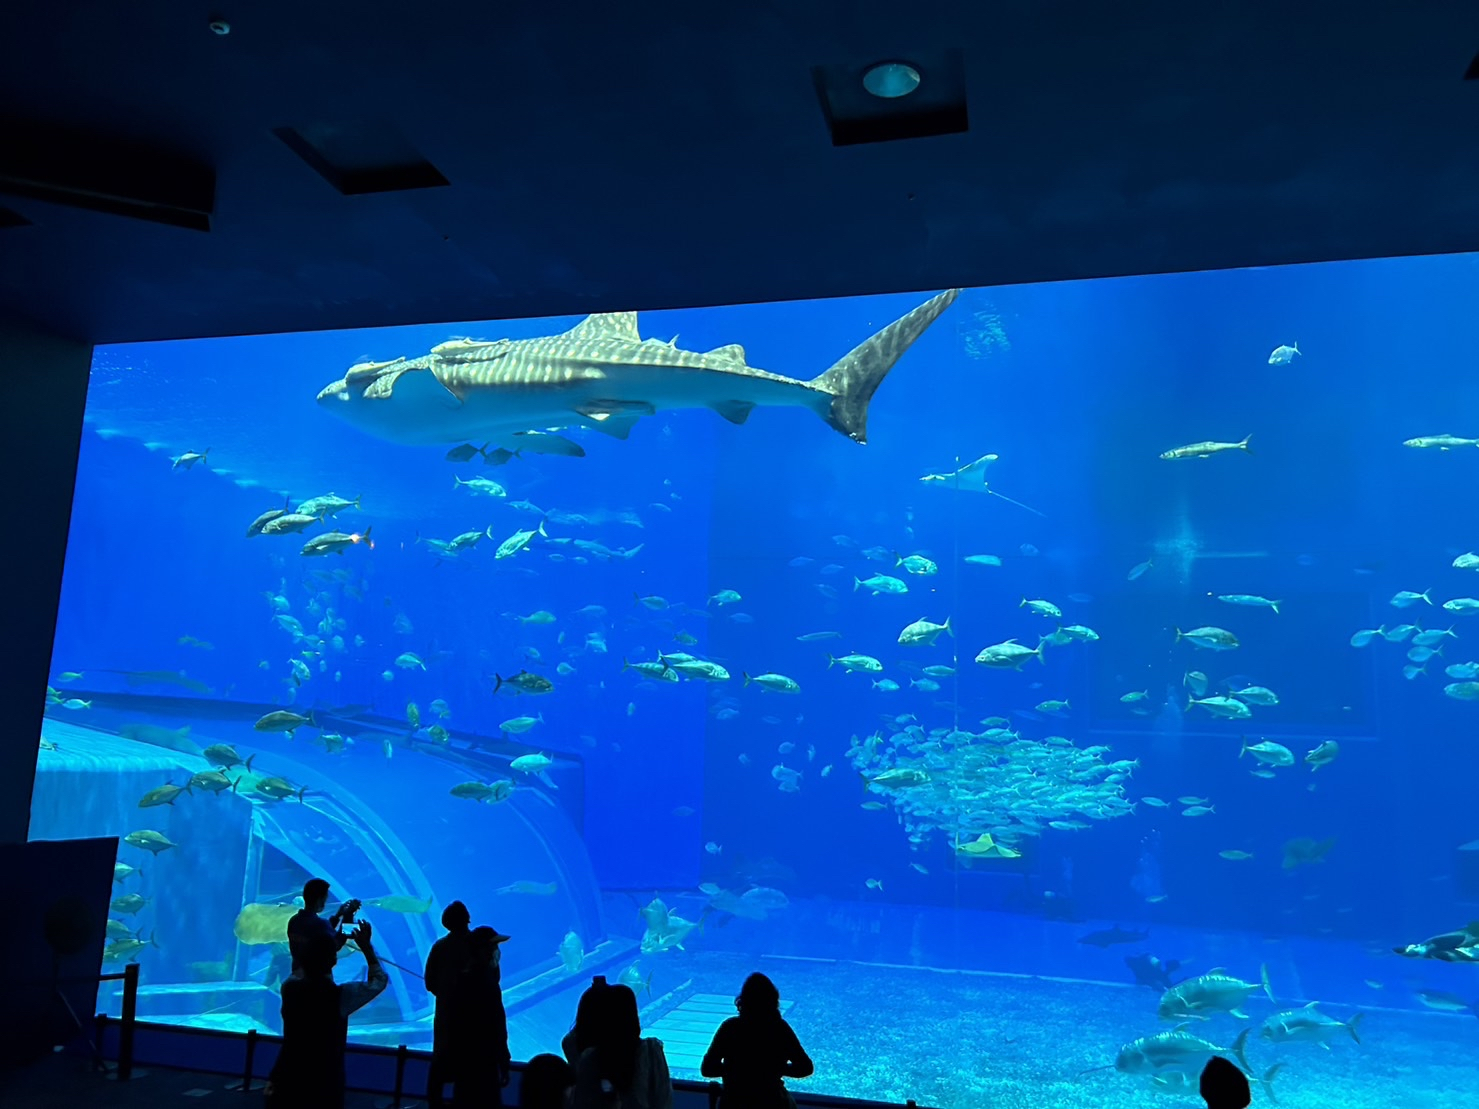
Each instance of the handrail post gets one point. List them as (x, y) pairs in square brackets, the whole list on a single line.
[(251, 1058), (400, 1075), (126, 1030), (714, 1091)]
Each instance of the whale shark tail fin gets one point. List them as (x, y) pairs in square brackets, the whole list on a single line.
[(855, 377)]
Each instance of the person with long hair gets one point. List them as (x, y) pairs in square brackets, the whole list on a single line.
[(753, 1052), (617, 1067), (583, 1031)]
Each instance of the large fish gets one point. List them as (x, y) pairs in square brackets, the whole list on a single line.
[(601, 374)]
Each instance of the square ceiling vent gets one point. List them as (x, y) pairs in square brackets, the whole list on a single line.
[(361, 156)]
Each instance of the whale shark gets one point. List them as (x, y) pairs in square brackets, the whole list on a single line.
[(601, 374)]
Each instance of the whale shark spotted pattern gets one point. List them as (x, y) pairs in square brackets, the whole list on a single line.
[(601, 374)]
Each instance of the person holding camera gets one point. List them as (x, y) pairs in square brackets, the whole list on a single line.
[(306, 924), (309, 1072)]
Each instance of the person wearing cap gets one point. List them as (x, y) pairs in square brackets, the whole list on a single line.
[(446, 960), (478, 1025), (306, 924)]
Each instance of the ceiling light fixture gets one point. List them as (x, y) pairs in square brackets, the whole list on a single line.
[(891, 80)]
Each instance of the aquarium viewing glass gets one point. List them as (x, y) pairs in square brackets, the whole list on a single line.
[(1109, 707)]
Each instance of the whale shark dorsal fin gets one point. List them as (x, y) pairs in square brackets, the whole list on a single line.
[(607, 325), (732, 351)]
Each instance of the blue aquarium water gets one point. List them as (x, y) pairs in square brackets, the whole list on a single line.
[(1110, 706)]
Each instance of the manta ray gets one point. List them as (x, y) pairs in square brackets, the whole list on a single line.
[(971, 478), (601, 374)]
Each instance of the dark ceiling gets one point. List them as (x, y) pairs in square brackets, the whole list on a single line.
[(664, 155)]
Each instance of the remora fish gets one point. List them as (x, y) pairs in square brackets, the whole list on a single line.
[(601, 374)]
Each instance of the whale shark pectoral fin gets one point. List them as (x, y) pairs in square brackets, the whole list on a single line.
[(735, 411), (605, 407), (383, 385), (615, 418)]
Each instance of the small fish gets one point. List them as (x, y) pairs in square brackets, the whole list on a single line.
[(189, 459), (1406, 598), (1323, 755), (1249, 600), (1283, 355), (1205, 449), (1140, 569), (1209, 638), (1236, 856), (465, 453), (1441, 442), (1365, 636)]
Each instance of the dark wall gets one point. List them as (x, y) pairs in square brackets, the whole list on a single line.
[(44, 391)]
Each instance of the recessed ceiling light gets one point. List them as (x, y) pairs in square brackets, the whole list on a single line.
[(891, 80)]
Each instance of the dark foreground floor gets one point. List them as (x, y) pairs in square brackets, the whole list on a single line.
[(65, 1082)]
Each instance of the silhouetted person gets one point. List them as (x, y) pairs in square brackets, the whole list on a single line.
[(477, 1025), (582, 1033), (545, 1082), (1224, 1086), (309, 1072), (621, 1067), (306, 924), (447, 959), (752, 1052)]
